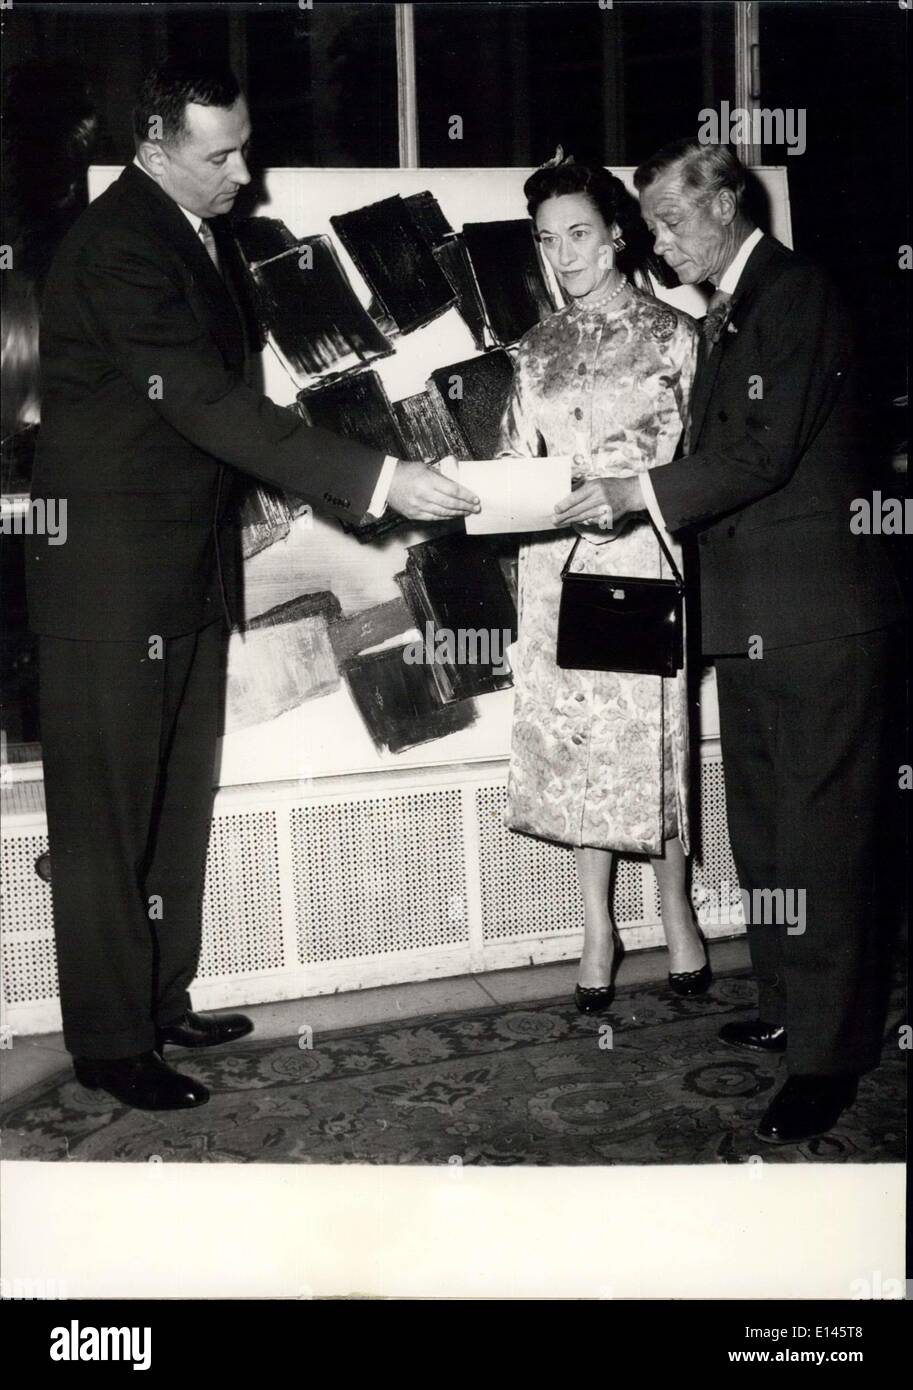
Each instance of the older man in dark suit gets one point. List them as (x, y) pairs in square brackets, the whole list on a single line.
[(147, 407), (801, 615)]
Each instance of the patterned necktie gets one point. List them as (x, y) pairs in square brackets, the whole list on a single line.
[(209, 242), (714, 321), (711, 329)]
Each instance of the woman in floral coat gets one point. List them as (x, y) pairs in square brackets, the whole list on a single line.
[(599, 760)]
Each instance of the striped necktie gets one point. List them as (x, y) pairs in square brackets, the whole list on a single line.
[(209, 241)]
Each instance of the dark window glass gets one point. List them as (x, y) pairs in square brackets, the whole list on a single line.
[(849, 188), (607, 84), (322, 85)]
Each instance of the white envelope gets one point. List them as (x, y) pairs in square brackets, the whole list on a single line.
[(517, 494)]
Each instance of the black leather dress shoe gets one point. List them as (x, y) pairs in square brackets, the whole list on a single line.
[(805, 1107), (146, 1082), (204, 1030), (756, 1035), (691, 981)]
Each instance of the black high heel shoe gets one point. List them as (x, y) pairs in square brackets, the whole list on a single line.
[(687, 982), (596, 999)]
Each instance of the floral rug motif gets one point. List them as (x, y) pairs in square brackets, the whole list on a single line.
[(533, 1083)]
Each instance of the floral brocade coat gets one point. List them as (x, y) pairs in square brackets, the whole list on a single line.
[(597, 758)]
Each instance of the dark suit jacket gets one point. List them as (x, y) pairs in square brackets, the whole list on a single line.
[(769, 481), (145, 396)]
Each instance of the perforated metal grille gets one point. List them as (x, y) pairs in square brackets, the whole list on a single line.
[(25, 900), (714, 865), (29, 970), (628, 892), (242, 914), (385, 874), (377, 876), (530, 886), (527, 886)]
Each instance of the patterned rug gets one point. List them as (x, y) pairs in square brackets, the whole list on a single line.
[(533, 1084)]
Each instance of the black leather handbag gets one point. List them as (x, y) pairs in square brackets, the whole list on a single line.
[(610, 622)]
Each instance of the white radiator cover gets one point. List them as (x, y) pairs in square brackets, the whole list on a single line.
[(349, 882)]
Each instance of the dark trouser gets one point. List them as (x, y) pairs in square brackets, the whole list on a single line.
[(810, 759), (128, 745)]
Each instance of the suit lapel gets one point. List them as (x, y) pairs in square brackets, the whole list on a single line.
[(704, 382), (709, 362), (233, 266), (226, 320)]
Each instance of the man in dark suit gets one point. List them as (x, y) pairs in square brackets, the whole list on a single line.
[(147, 409), (802, 616)]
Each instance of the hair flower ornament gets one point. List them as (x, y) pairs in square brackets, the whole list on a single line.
[(559, 157)]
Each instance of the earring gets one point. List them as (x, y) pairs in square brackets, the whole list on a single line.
[(619, 243)]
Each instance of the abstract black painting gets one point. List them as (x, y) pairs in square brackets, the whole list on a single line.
[(429, 219), (263, 238), (399, 701), (397, 262), (506, 259), (429, 431), (357, 407), (369, 628), (307, 303), (280, 659), (453, 258), (455, 586), (475, 393)]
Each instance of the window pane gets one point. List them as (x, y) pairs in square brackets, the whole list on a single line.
[(322, 85), (607, 84), (849, 185)]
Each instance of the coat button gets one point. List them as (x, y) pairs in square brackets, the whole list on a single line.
[(580, 697), (577, 567), (703, 540), (723, 416), (578, 413), (581, 369), (577, 738), (730, 531)]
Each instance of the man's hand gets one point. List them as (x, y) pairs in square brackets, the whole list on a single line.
[(422, 494), (602, 502)]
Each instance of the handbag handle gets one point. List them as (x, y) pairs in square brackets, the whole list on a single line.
[(675, 570)]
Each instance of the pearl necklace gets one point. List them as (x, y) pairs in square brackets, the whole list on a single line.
[(585, 302)]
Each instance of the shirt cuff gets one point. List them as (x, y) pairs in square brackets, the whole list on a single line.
[(378, 504), (650, 502)]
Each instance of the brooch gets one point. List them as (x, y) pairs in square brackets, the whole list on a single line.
[(662, 326)]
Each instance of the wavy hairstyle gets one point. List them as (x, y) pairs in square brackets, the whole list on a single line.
[(611, 200)]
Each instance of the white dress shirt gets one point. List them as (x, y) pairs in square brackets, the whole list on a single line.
[(728, 283), (733, 272), (378, 503)]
